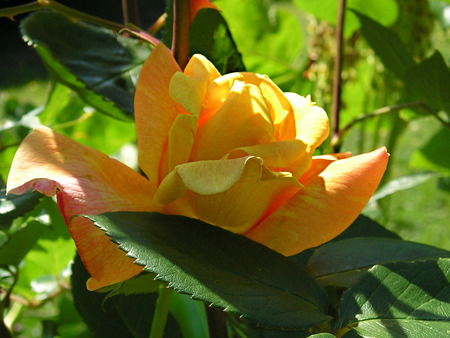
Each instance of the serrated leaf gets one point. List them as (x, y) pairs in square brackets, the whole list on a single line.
[(362, 226), (399, 299), (92, 61), (13, 206), (219, 267), (429, 82), (343, 262), (386, 44), (19, 243), (121, 316), (211, 37)]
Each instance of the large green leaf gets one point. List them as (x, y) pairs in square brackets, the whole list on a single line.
[(386, 44), (399, 300), (101, 67), (221, 268), (211, 37), (362, 226), (341, 263), (429, 82)]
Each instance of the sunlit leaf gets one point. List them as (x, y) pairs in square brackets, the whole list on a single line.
[(211, 37), (219, 267), (434, 155), (399, 299), (401, 183), (385, 11), (101, 67), (429, 82), (386, 44), (19, 243)]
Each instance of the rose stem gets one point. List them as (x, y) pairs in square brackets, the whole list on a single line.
[(337, 74), (181, 27)]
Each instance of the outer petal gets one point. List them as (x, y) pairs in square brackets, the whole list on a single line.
[(234, 194), (335, 193), (154, 110), (86, 181)]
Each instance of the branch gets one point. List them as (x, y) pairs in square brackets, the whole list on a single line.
[(181, 27), (337, 140), (337, 73)]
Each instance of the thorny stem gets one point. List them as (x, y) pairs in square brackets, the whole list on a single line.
[(382, 111), (180, 37), (337, 74)]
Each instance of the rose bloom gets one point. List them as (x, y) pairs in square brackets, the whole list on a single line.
[(233, 151)]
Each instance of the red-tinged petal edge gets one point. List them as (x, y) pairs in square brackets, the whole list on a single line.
[(335, 193), (85, 181)]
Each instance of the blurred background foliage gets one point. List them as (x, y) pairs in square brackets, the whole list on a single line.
[(292, 41)]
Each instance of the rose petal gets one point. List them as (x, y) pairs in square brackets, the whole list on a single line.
[(233, 194), (335, 193), (311, 122), (189, 88), (155, 111), (86, 181), (278, 156), (243, 120), (280, 108)]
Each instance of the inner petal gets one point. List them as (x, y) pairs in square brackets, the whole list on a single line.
[(243, 120)]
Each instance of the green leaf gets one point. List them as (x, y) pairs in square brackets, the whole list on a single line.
[(211, 37), (399, 300), (432, 155), (383, 10), (343, 262), (19, 243), (99, 66), (271, 37), (386, 44), (429, 81), (362, 226), (219, 267), (49, 257), (120, 316), (401, 183), (140, 284), (190, 316), (13, 206)]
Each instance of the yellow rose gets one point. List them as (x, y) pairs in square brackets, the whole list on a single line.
[(233, 151)]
